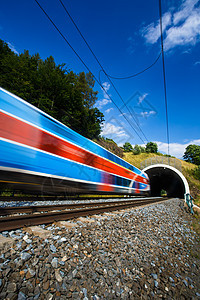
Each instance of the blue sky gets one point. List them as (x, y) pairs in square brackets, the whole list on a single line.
[(125, 37)]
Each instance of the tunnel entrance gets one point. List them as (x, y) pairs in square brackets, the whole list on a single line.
[(168, 178)]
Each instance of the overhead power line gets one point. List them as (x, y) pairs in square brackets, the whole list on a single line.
[(136, 74), (69, 15), (65, 39), (164, 78)]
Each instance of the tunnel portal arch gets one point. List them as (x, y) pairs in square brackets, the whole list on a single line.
[(168, 178)]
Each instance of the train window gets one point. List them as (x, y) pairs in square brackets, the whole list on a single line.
[(125, 182), (119, 180)]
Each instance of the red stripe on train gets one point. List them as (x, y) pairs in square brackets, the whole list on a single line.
[(21, 132)]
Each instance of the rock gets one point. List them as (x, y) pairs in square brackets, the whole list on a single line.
[(185, 282), (64, 258), (155, 276), (38, 231), (56, 237), (46, 285), (84, 292), (6, 242), (66, 224), (49, 296), (63, 239), (11, 288), (21, 296), (58, 276), (74, 272), (54, 262), (53, 248), (30, 273), (85, 220), (11, 296), (25, 256)]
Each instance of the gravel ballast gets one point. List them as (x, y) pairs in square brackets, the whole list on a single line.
[(150, 252)]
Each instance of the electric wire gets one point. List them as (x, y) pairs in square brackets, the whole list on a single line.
[(136, 74), (102, 68), (164, 77), (65, 39)]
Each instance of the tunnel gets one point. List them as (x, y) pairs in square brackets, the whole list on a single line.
[(167, 178)]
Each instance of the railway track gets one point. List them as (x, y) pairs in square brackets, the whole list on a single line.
[(60, 198), (17, 217)]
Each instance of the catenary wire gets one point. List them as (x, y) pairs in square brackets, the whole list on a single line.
[(102, 68), (136, 74), (65, 39), (164, 78)]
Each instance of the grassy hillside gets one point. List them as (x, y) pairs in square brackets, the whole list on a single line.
[(186, 170), (109, 145)]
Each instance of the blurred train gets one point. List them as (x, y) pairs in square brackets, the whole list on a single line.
[(39, 154)]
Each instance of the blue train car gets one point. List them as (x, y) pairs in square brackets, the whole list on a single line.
[(40, 154)]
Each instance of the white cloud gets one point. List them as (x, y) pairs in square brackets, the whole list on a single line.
[(106, 86), (12, 47), (186, 34), (146, 114), (185, 10), (176, 149), (111, 129), (102, 103), (106, 99), (179, 28), (152, 32), (141, 98), (109, 110)]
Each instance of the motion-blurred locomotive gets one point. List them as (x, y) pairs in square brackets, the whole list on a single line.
[(40, 154)]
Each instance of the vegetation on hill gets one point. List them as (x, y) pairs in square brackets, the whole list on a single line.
[(63, 94), (192, 154), (194, 183), (137, 159), (110, 145), (137, 149)]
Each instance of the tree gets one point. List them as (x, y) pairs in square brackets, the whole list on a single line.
[(151, 147), (192, 154), (127, 147), (138, 149), (63, 94)]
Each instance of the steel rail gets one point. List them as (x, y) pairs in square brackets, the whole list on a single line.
[(14, 222), (44, 208), (60, 198)]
